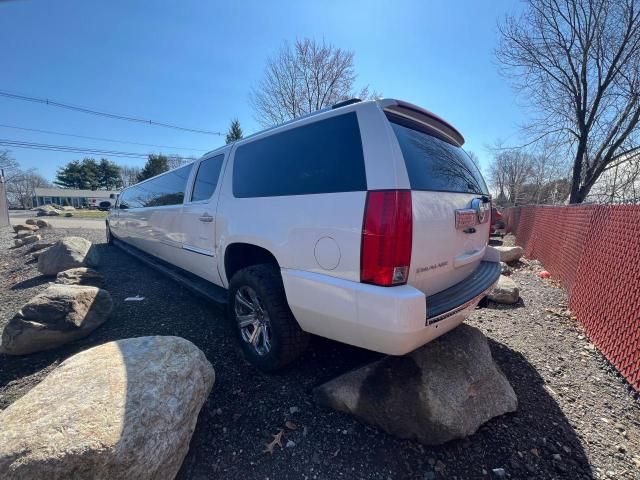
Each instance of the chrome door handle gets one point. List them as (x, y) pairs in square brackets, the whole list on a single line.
[(205, 218)]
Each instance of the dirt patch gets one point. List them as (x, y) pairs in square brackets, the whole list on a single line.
[(575, 418)]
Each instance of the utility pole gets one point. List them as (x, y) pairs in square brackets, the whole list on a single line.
[(4, 204)]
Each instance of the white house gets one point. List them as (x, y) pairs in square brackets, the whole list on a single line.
[(69, 196)]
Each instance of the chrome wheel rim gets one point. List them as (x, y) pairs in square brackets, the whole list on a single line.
[(253, 320)]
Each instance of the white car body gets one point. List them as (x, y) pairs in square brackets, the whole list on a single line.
[(316, 240)]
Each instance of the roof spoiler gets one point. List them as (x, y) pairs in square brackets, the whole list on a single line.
[(413, 112)]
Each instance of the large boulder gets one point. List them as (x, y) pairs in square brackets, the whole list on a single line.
[(506, 291), (25, 228), (59, 315), (45, 210), (42, 223), (509, 254), (70, 252), (37, 247), (442, 391), (80, 276), (26, 240), (122, 410)]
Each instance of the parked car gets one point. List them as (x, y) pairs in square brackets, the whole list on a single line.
[(365, 223)]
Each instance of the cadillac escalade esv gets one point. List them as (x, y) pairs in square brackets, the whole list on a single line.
[(366, 223)]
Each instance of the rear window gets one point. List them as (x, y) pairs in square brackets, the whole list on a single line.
[(434, 164), (320, 157)]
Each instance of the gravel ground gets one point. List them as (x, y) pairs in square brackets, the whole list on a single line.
[(576, 417)]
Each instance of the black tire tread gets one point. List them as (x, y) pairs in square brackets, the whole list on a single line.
[(292, 341)]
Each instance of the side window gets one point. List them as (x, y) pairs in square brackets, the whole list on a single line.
[(320, 157), (167, 189), (207, 178)]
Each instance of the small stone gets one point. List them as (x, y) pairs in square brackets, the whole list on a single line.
[(499, 472), (506, 291), (293, 410), (218, 411), (290, 444), (621, 448), (557, 457)]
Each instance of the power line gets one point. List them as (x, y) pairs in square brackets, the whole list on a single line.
[(101, 138), (71, 149), (115, 116)]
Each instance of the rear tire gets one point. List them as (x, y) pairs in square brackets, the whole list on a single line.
[(269, 334)]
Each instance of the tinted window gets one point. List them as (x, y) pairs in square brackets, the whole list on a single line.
[(167, 189), (321, 157), (207, 178), (434, 164)]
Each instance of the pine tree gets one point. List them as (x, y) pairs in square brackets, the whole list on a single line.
[(156, 164), (109, 175), (235, 132), (70, 176)]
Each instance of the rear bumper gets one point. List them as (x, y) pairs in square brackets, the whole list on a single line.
[(391, 320)]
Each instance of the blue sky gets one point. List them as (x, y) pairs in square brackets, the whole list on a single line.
[(193, 63)]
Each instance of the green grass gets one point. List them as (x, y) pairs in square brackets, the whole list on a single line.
[(87, 214)]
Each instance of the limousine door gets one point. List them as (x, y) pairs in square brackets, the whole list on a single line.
[(199, 220)]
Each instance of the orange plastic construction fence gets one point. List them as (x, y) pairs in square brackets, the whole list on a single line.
[(594, 251)]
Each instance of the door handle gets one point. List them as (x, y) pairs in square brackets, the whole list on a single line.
[(205, 218)]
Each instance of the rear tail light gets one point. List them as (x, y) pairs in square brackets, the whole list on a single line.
[(386, 238)]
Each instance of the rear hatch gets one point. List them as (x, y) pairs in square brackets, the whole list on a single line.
[(449, 197)]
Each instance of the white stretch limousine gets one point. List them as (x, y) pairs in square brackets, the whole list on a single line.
[(366, 223)]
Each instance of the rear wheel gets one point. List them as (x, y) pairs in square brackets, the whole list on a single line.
[(269, 334)]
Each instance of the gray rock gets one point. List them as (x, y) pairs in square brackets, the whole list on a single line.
[(68, 214), (23, 227), (26, 240), (80, 276), (31, 221), (70, 252), (23, 233), (42, 223), (122, 410), (59, 315), (37, 247), (506, 291), (505, 269), (509, 254), (440, 392)]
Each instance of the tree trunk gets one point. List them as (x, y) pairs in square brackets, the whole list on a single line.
[(574, 197)]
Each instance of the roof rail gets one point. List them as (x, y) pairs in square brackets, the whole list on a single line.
[(345, 103)]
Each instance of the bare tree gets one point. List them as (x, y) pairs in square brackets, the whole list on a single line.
[(578, 63), (509, 171), (21, 188), (302, 79), (9, 164), (129, 175), (175, 161)]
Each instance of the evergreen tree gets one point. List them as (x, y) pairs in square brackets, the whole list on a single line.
[(156, 164), (235, 132), (109, 175), (70, 176)]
